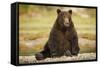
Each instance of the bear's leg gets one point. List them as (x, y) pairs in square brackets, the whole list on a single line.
[(68, 53), (39, 56), (74, 46), (43, 54)]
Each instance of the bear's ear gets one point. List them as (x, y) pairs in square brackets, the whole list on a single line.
[(58, 11), (70, 11)]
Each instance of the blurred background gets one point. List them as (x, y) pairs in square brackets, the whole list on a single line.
[(35, 23)]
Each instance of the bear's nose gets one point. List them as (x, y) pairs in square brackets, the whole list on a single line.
[(66, 20), (66, 23)]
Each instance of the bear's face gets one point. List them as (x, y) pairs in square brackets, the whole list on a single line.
[(64, 18)]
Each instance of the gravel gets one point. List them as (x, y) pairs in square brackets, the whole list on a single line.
[(31, 59)]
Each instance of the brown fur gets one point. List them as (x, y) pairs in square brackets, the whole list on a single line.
[(62, 40)]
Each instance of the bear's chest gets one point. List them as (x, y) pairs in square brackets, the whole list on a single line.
[(68, 35)]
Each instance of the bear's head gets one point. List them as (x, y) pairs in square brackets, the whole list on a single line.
[(64, 18)]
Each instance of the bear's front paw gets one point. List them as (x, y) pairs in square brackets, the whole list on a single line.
[(74, 54), (53, 55), (68, 53)]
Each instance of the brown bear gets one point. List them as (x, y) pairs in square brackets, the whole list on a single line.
[(63, 39)]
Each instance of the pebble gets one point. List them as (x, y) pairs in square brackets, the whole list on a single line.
[(31, 59)]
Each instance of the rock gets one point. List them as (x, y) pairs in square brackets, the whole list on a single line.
[(32, 59)]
